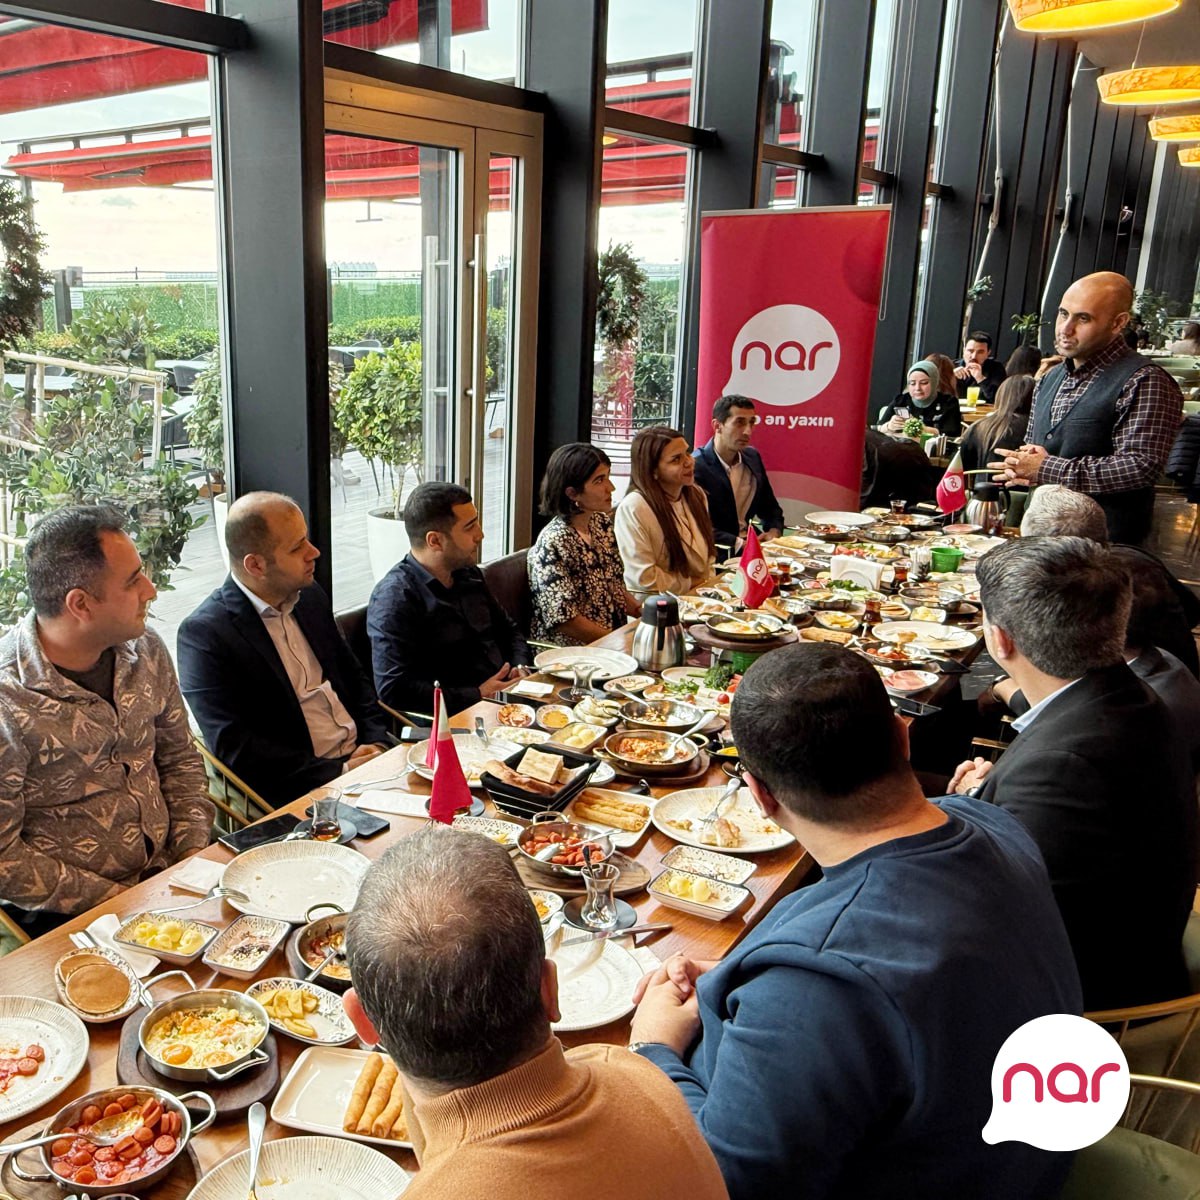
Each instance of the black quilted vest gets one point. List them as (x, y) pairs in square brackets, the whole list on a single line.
[(1087, 429)]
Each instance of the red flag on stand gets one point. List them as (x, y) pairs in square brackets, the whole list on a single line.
[(952, 491), (450, 793), (753, 572), (431, 749)]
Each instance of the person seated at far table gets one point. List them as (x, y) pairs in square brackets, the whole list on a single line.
[(277, 692), (1055, 511), (1096, 773), (733, 477), (895, 469), (101, 786), (923, 400), (977, 368), (1024, 360), (433, 618), (664, 532), (844, 1047), (575, 572), (451, 978)]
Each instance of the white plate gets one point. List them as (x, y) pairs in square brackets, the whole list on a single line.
[(504, 832), (551, 900), (694, 803), (28, 1020), (726, 898), (851, 519), (307, 1168), (472, 753), (120, 962), (679, 674), (514, 737), (259, 927), (927, 679), (330, 1021), (630, 683), (595, 984), (610, 663), (933, 637), (724, 867), (316, 1091), (124, 937), (621, 838), (286, 879)]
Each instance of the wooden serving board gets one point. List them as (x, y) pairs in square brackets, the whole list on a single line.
[(176, 1185), (634, 877), (232, 1099), (703, 636)]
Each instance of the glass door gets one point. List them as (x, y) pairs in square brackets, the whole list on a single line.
[(431, 250)]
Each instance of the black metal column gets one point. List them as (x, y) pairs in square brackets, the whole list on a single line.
[(735, 56), (910, 121), (270, 171), (1091, 226), (965, 120), (837, 110), (566, 62)]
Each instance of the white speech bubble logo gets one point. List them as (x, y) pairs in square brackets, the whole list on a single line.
[(786, 354), (1059, 1083)]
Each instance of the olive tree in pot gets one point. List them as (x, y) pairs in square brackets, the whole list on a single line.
[(380, 412), (619, 301)]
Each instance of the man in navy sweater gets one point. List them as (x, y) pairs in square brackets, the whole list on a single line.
[(845, 1047)]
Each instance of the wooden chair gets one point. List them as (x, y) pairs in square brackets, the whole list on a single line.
[(1132, 1162), (238, 804), (508, 580), (353, 626), (11, 934)]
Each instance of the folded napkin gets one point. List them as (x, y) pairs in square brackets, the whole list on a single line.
[(199, 875), (399, 804), (530, 687), (858, 570), (102, 930)]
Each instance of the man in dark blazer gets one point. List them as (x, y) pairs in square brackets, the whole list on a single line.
[(1096, 773), (277, 692), (732, 474)]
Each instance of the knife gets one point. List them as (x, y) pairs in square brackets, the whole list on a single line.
[(912, 708), (600, 935)]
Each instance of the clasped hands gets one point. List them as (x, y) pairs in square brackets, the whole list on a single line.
[(1019, 466), (667, 1009)]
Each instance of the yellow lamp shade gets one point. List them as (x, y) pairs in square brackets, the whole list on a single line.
[(1071, 16), (1176, 129), (1151, 85), (1190, 157)]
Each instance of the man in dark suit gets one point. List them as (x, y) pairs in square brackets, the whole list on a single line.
[(277, 692), (1096, 772), (734, 478)]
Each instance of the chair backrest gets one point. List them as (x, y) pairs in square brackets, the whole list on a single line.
[(353, 624), (508, 579)]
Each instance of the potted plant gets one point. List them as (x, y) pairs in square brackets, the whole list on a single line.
[(379, 412), (619, 300), (1028, 325)]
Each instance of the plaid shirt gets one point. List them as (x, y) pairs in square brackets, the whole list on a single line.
[(1149, 410)]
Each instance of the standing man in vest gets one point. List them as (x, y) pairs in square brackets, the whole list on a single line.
[(1104, 419)]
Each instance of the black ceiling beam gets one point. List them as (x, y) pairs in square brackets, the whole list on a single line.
[(143, 20), (655, 129)]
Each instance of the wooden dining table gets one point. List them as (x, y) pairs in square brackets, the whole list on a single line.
[(30, 969)]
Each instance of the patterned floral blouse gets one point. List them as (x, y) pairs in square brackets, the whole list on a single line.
[(570, 578)]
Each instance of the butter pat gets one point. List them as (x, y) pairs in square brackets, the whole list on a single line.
[(537, 764)]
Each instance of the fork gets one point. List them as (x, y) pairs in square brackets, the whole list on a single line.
[(708, 822)]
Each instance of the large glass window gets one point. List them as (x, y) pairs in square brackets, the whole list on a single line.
[(793, 29), (643, 224), (471, 37), (110, 143), (878, 92), (651, 57)]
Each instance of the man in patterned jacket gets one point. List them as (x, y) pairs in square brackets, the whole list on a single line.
[(99, 783)]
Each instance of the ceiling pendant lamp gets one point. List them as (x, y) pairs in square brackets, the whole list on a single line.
[(1190, 157), (1176, 129), (1151, 85), (1072, 16)]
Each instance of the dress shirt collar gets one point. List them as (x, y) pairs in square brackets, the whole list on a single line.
[(737, 462), (1117, 349), (265, 610), (1021, 723)]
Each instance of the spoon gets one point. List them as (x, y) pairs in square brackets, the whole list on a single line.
[(324, 963), (257, 1122), (104, 1132), (679, 737)]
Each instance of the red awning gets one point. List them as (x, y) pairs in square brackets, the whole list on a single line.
[(49, 64)]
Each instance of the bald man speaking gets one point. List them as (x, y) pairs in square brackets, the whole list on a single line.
[(1104, 419)]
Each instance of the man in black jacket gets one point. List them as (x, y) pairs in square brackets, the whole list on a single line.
[(734, 478), (1095, 773), (277, 692)]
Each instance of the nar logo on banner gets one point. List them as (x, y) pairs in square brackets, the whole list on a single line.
[(1059, 1083), (786, 354)]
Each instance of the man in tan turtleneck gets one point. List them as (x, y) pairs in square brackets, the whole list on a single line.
[(451, 978)]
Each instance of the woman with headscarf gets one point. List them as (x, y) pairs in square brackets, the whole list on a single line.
[(922, 399)]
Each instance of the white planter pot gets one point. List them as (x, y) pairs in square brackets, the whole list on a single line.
[(387, 542), (220, 513)]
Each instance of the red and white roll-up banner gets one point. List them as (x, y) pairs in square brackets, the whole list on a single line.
[(788, 307)]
